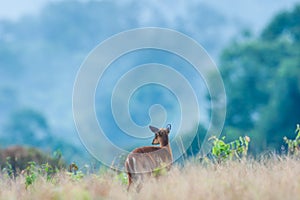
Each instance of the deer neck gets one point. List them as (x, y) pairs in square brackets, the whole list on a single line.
[(168, 147)]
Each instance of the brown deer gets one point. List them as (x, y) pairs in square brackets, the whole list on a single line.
[(143, 161)]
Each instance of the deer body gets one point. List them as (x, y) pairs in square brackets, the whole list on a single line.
[(143, 161)]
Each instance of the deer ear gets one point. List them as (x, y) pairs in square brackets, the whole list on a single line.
[(169, 128), (153, 129)]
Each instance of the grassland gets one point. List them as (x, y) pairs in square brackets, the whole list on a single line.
[(275, 178)]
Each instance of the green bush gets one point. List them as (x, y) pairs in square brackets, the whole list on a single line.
[(293, 145), (222, 151)]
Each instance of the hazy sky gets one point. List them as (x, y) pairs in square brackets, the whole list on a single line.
[(251, 9), (13, 9), (256, 11)]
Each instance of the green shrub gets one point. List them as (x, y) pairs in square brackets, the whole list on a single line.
[(293, 145), (222, 151)]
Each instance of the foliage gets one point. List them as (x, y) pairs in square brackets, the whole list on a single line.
[(8, 168), (261, 77), (18, 157), (33, 171), (31, 174), (122, 177), (159, 171), (227, 151), (294, 145)]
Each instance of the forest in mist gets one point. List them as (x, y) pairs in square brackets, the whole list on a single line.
[(41, 54)]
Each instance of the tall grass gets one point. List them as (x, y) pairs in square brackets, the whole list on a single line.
[(273, 178)]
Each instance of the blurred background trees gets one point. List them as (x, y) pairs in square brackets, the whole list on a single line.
[(262, 80), (40, 56)]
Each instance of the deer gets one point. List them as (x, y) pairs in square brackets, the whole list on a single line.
[(141, 162)]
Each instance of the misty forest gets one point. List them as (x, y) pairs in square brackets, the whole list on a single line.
[(41, 54)]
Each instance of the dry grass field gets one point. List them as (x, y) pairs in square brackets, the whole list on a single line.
[(268, 179)]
